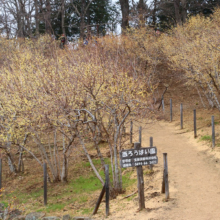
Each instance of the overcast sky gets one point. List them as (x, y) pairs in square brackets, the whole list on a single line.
[(118, 30)]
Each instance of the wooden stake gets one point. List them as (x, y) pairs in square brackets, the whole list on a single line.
[(165, 183), (151, 145), (213, 132), (140, 134), (140, 181), (45, 184), (171, 111), (194, 119), (131, 132), (99, 200), (107, 189), (181, 116)]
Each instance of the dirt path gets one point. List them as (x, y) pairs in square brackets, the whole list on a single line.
[(194, 180), (194, 177)]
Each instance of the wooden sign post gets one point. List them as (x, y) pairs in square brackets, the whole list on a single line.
[(140, 176), (151, 145), (165, 183), (139, 157), (45, 184)]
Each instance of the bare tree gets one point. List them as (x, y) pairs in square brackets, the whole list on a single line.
[(19, 16), (63, 16), (125, 13), (84, 7)]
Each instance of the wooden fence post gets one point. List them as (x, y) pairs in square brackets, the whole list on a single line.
[(107, 189), (165, 183), (163, 107), (0, 173), (140, 181), (171, 111), (140, 134), (181, 116), (131, 132), (99, 200), (151, 145), (213, 132), (194, 119), (45, 184)]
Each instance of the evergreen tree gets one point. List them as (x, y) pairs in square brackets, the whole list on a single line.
[(98, 18)]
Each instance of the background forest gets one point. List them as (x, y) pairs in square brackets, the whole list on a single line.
[(74, 18)]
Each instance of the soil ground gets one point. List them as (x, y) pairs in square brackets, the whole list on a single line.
[(194, 180), (194, 171)]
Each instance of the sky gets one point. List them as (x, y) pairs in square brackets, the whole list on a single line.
[(118, 30)]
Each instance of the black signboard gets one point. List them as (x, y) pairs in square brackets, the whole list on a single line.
[(140, 157)]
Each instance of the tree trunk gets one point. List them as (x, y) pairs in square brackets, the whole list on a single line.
[(90, 160), (48, 29), (63, 17), (20, 162), (177, 12), (11, 163), (125, 14), (20, 28), (141, 12), (64, 173), (82, 19), (117, 184), (20, 20), (154, 13), (94, 131), (184, 11), (37, 22)]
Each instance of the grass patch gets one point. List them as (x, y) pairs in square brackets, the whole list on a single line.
[(83, 199), (131, 197), (55, 207), (96, 162), (206, 138), (5, 204), (85, 184), (52, 207), (78, 191), (87, 211), (127, 180)]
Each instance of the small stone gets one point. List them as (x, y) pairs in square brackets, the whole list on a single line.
[(51, 218), (2, 206), (5, 216), (82, 218), (13, 214), (20, 217), (66, 217), (34, 216)]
